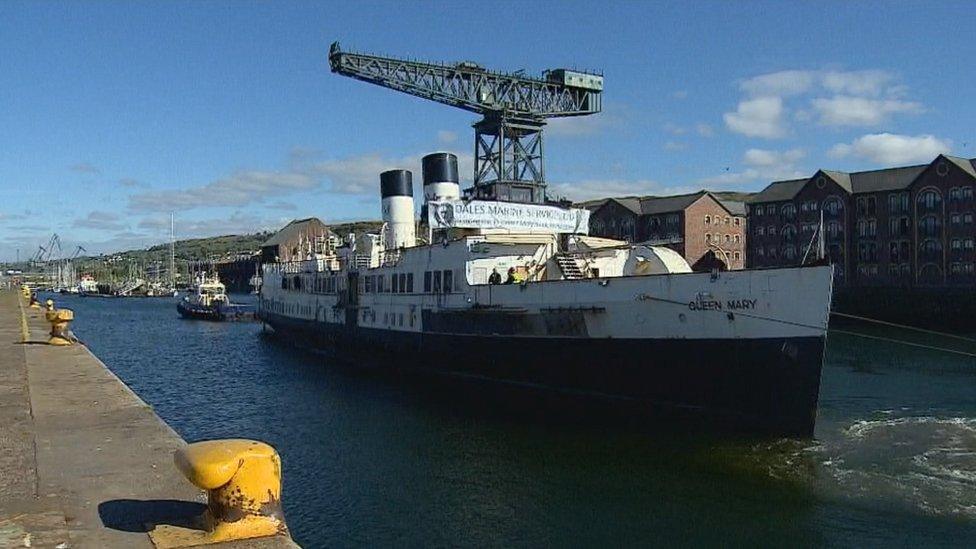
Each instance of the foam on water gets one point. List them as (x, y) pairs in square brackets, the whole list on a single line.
[(927, 462)]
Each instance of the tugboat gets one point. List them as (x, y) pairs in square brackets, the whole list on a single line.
[(577, 314), (208, 301)]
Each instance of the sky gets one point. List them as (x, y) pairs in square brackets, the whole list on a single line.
[(115, 114)]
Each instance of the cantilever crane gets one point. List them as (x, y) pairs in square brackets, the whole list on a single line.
[(508, 139)]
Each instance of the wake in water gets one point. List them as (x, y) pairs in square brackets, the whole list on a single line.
[(929, 463)]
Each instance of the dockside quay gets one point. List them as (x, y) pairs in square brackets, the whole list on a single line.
[(86, 463)]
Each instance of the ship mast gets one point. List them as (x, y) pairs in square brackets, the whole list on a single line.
[(172, 252)]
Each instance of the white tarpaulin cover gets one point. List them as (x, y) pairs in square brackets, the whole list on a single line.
[(480, 214)]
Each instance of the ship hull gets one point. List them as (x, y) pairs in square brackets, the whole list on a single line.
[(199, 312), (764, 385)]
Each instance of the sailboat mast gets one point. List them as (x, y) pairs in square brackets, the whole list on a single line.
[(172, 252)]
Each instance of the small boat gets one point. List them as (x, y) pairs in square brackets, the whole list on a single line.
[(208, 301)]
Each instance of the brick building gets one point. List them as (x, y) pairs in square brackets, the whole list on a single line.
[(708, 229), (905, 226)]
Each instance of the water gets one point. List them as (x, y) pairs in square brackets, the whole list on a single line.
[(373, 459)]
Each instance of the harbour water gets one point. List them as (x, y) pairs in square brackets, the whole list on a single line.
[(376, 459)]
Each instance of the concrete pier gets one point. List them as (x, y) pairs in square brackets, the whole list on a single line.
[(84, 462)]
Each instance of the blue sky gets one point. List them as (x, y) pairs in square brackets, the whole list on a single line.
[(113, 114)]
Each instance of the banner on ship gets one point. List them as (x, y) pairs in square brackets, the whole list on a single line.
[(479, 214)]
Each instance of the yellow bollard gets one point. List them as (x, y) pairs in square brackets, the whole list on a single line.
[(59, 320), (25, 291), (243, 483), (34, 304), (49, 304)]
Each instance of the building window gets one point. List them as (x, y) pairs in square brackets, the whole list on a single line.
[(833, 205), (929, 226), (759, 210), (956, 244), (771, 209), (955, 219), (930, 199), (727, 220), (448, 282), (708, 238), (737, 221), (427, 280), (409, 283), (834, 229), (771, 231), (735, 239), (728, 238), (760, 252), (772, 253), (736, 256), (760, 230), (789, 233), (967, 193), (708, 219), (789, 211), (437, 282), (955, 194), (967, 218), (968, 243)]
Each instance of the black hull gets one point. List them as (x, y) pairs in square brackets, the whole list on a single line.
[(768, 386), (199, 313)]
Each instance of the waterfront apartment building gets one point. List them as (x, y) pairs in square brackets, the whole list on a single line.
[(904, 226), (708, 229)]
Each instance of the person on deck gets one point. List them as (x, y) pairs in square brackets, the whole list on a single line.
[(495, 277), (511, 276)]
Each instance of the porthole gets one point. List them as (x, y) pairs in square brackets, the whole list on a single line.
[(821, 182), (942, 169)]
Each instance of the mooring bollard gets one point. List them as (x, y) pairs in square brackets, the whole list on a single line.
[(49, 304), (25, 291), (34, 304), (59, 319), (243, 483)]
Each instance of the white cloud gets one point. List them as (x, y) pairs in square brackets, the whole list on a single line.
[(834, 97), (780, 84), (764, 158), (589, 189), (447, 137), (761, 165), (866, 82), (846, 110), (888, 148), (361, 174), (680, 94), (238, 189), (758, 117), (237, 223), (675, 146), (704, 130), (675, 129), (103, 221)]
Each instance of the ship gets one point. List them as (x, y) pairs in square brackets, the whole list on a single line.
[(579, 315), (207, 300)]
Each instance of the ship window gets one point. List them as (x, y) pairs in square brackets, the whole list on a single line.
[(410, 283), (394, 285), (284, 283), (427, 281), (403, 283), (437, 282), (448, 281), (298, 283)]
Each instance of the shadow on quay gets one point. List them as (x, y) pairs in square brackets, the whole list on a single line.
[(136, 515)]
